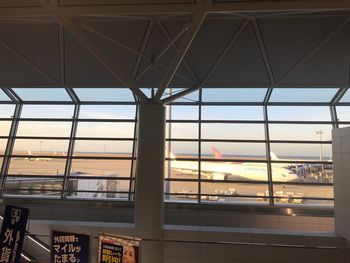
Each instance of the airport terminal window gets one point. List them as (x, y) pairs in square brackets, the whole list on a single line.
[(223, 145), (63, 148), (239, 148)]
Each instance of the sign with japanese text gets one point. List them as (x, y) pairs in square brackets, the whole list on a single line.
[(12, 233), (111, 253), (118, 249), (69, 248)]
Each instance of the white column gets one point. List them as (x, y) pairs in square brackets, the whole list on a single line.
[(149, 188), (341, 178)]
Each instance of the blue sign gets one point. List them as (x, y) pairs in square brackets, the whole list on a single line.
[(12, 234), (69, 248)]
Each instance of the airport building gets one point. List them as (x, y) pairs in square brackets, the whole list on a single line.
[(199, 131)]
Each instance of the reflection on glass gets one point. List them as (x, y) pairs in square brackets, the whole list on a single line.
[(42, 94), (189, 98), (299, 194), (233, 95), (231, 150), (100, 167), (44, 129), (232, 113), (104, 94), (299, 113), (295, 152), (37, 166), (7, 110), (5, 128), (182, 149), (47, 111), (33, 186), (41, 147), (182, 112), (106, 129), (302, 172), (234, 192), (3, 143), (233, 131), (107, 112), (183, 130), (343, 113), (302, 95), (306, 132), (97, 188), (103, 148)]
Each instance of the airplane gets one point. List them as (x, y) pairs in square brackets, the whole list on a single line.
[(231, 170)]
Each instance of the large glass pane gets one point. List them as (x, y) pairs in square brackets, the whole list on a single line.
[(47, 111), (299, 113), (5, 128), (104, 94), (298, 194), (37, 166), (302, 172), (232, 113), (302, 95), (3, 143), (44, 129), (229, 150), (181, 191), (107, 112), (33, 186), (7, 110), (3, 96), (183, 130), (1, 160), (183, 112), (101, 167), (234, 171), (98, 188), (233, 131), (182, 149), (295, 152), (343, 113), (346, 97), (41, 147), (306, 132), (234, 192), (176, 169), (42, 94), (190, 98), (103, 148), (233, 94), (106, 129)]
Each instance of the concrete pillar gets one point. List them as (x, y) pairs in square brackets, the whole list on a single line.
[(341, 178), (149, 188)]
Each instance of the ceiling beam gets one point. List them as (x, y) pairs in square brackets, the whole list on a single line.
[(79, 35), (197, 21), (170, 9)]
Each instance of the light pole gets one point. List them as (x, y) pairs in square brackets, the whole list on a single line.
[(320, 133)]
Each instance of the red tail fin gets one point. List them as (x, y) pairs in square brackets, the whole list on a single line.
[(217, 154)]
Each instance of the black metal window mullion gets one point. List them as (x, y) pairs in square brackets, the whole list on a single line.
[(9, 146)]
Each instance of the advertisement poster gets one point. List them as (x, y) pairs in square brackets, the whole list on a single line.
[(69, 247), (118, 249), (12, 233)]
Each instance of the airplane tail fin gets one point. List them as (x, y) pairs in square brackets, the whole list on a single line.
[(172, 156), (29, 152), (274, 156), (217, 154)]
